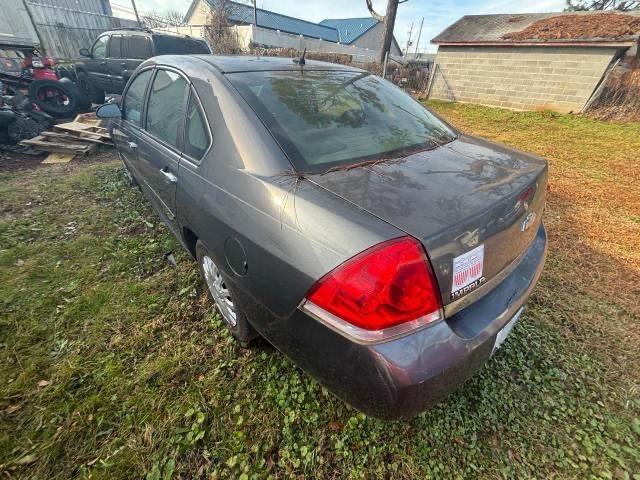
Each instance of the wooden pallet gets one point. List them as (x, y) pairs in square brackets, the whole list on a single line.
[(89, 119), (54, 157), (84, 131), (46, 144), (63, 136)]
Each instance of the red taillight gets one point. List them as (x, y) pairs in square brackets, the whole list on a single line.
[(385, 286)]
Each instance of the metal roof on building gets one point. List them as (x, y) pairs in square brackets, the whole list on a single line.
[(350, 29), (503, 29), (240, 13)]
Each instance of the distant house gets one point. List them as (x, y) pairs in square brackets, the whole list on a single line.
[(528, 61), (364, 32), (360, 33)]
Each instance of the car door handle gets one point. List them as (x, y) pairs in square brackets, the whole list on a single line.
[(123, 64), (132, 145), (171, 178), (103, 63)]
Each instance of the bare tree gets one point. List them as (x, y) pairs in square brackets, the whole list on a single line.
[(168, 18), (389, 20), (220, 36), (620, 5)]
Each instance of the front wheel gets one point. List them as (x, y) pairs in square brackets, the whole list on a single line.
[(223, 295)]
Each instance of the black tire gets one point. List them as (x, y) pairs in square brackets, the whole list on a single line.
[(58, 99), (84, 104), (95, 95), (242, 331)]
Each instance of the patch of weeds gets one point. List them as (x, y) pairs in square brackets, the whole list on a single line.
[(113, 365)]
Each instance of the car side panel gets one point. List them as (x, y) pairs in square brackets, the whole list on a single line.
[(291, 231)]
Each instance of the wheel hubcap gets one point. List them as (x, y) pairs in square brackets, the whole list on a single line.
[(219, 291)]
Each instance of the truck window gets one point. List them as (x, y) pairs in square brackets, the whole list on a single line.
[(169, 45), (115, 47), (99, 49), (138, 47)]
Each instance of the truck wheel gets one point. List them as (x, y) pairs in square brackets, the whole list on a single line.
[(58, 99), (223, 295), (94, 94)]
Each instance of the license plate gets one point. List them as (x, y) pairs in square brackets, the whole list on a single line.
[(506, 330)]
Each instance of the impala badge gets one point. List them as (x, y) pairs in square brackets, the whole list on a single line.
[(528, 221)]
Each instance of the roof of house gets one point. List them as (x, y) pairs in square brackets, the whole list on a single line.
[(350, 29), (570, 28), (242, 13)]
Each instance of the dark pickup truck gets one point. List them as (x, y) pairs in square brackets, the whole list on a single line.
[(114, 56)]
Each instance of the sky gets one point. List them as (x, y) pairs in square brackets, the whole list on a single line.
[(438, 14)]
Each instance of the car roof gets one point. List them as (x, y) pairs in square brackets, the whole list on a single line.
[(248, 63)]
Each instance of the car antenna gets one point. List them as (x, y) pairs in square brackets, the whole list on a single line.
[(300, 61)]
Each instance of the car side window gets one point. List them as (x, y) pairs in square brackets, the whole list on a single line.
[(166, 106), (197, 137), (134, 98), (138, 47), (115, 46), (99, 49)]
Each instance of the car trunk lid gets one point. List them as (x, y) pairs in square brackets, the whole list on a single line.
[(475, 206)]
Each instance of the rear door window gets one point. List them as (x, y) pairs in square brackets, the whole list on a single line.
[(138, 47), (134, 98), (166, 106), (115, 46), (197, 138)]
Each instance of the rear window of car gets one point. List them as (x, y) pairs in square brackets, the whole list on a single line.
[(325, 119), (167, 45)]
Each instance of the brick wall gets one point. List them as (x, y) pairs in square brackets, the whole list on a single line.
[(524, 78)]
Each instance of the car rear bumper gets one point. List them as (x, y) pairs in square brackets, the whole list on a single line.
[(402, 377)]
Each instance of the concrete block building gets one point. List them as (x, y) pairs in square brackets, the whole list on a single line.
[(549, 60)]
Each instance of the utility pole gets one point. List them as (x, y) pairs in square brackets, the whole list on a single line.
[(406, 50), (135, 10), (418, 42), (389, 21), (255, 13)]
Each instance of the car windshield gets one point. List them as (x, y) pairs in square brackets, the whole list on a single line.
[(326, 119), (168, 45)]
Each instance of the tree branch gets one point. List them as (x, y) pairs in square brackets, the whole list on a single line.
[(373, 13)]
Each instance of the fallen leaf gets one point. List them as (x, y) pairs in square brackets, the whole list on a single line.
[(27, 460), (12, 408), (335, 426), (43, 383)]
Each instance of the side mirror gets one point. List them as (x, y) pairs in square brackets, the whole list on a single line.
[(109, 110), (85, 52)]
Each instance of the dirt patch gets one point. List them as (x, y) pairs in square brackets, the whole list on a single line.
[(612, 26), (14, 161)]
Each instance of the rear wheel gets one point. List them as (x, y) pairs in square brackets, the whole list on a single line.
[(223, 295)]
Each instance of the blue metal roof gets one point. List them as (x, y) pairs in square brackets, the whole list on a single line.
[(240, 13), (349, 29)]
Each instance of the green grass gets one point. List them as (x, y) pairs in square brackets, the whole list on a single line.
[(145, 381)]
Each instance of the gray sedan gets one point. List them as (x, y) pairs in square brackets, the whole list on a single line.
[(386, 253)]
